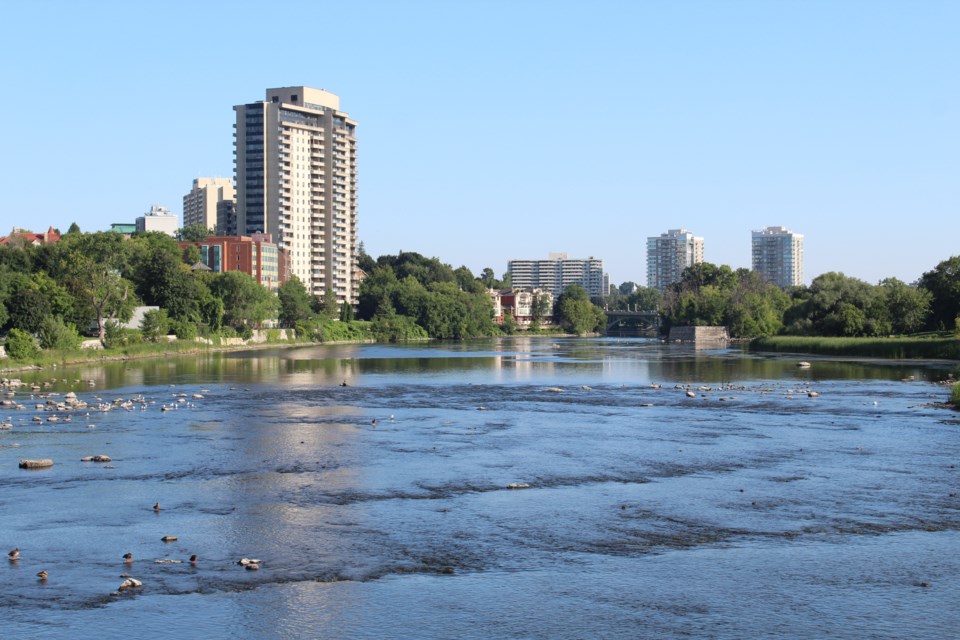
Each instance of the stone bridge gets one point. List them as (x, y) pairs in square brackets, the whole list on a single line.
[(632, 323)]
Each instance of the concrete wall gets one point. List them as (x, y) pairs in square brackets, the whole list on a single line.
[(699, 334)]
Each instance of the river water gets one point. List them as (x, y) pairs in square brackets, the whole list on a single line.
[(751, 510)]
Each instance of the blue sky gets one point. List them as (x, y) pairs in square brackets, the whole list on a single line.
[(498, 130)]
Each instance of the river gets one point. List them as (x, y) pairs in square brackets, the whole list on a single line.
[(373, 483)]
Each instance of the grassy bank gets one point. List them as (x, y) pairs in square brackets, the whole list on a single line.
[(906, 347), (59, 358)]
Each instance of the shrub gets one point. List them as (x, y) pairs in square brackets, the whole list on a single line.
[(116, 335), (184, 330), (955, 396), (57, 334), (20, 345), (154, 325), (245, 332)]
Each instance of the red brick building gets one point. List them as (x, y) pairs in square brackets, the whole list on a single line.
[(256, 255)]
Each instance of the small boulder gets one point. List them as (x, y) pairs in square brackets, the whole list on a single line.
[(36, 464)]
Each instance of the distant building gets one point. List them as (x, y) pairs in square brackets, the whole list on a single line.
[(205, 200), (24, 236), (777, 256), (125, 228), (256, 255), (669, 254), (519, 304), (296, 178), (559, 272), (158, 219)]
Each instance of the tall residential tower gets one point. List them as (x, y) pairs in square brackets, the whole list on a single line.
[(669, 254), (778, 256), (296, 178), (208, 202)]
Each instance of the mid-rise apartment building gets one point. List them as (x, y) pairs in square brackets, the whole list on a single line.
[(296, 179), (669, 254), (209, 201), (559, 272), (777, 255)]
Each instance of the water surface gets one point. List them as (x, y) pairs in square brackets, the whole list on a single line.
[(749, 510)]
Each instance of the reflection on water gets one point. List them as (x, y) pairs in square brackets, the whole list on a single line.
[(754, 508)]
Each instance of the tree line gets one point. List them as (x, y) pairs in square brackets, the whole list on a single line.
[(90, 282), (832, 305)]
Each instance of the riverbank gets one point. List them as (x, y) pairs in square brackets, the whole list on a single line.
[(54, 360), (942, 348)]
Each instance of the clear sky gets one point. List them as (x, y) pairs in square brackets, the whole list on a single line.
[(492, 130)]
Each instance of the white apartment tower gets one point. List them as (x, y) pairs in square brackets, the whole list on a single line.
[(559, 272), (669, 254), (777, 256), (208, 198), (296, 178)]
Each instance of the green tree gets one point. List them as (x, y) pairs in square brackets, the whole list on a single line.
[(908, 307), (192, 255), (328, 307), (645, 299), (542, 307), (346, 312), (105, 291), (245, 302), (20, 345), (943, 285), (154, 325), (837, 305), (295, 303), (194, 233), (364, 261), (27, 308), (509, 324), (56, 334), (576, 313), (74, 228)]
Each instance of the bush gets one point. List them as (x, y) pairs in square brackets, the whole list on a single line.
[(116, 335), (273, 335), (955, 396), (20, 345), (307, 330), (338, 331), (184, 330), (154, 325), (57, 334), (245, 332)]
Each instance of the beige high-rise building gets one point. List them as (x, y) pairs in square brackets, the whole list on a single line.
[(208, 195), (296, 178)]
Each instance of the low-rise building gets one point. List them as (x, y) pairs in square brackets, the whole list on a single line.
[(520, 304), (24, 236), (256, 255), (125, 228)]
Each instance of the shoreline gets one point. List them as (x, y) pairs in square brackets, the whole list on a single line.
[(226, 348), (166, 354)]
